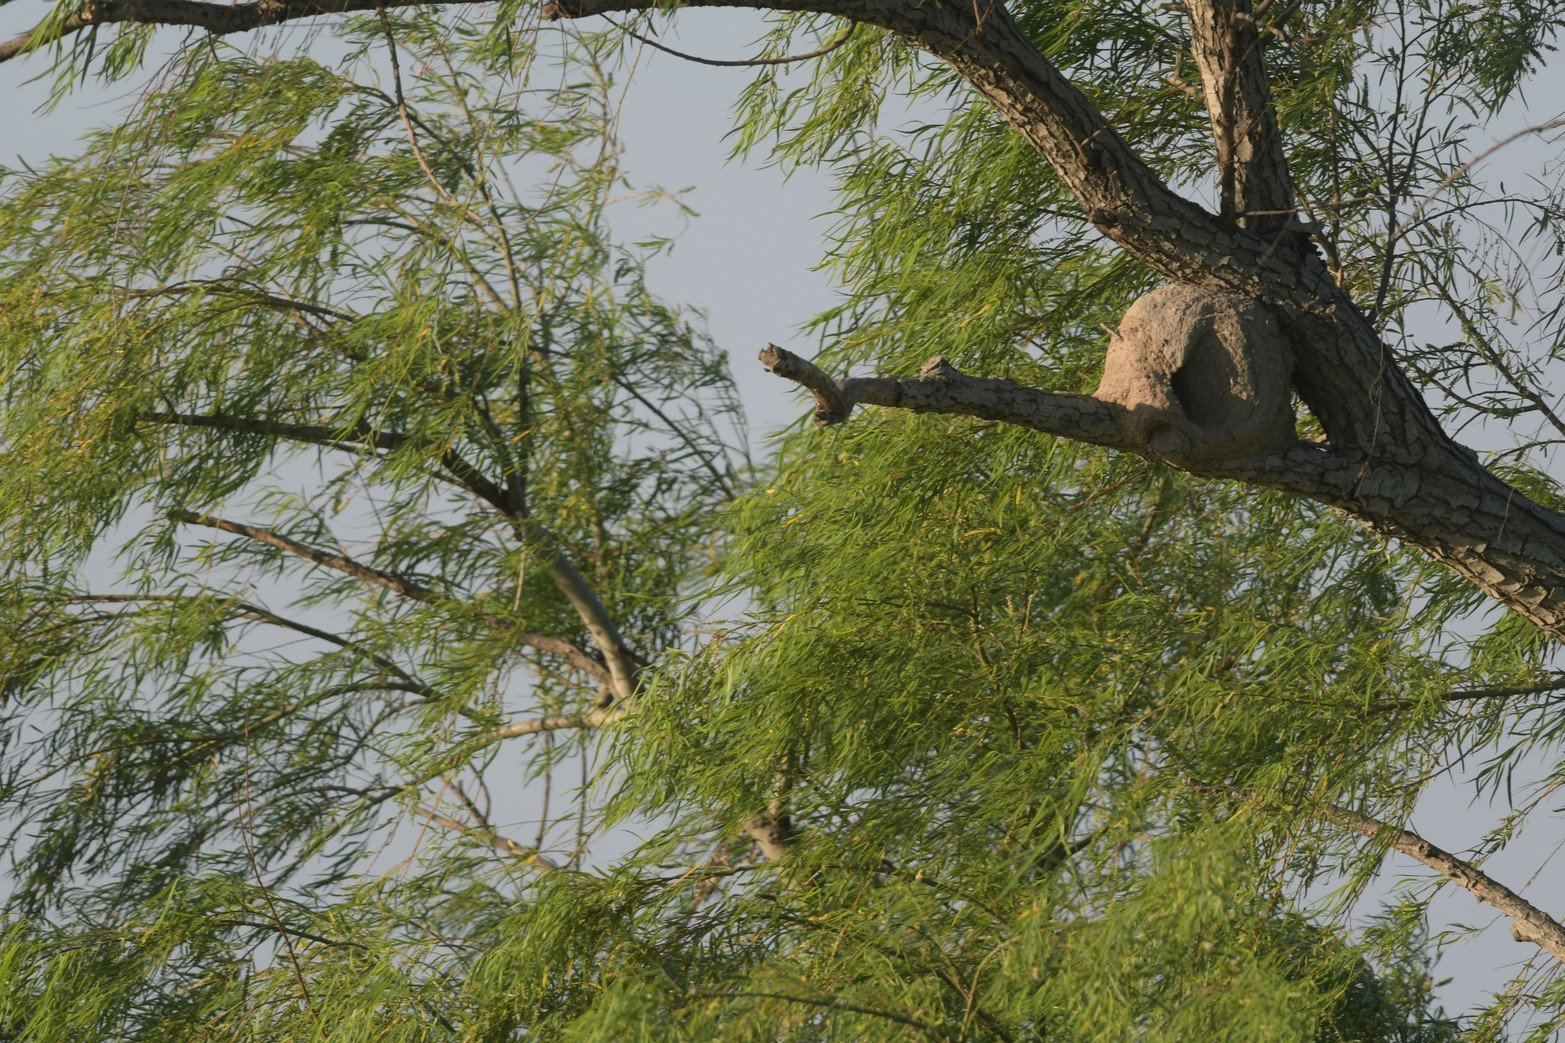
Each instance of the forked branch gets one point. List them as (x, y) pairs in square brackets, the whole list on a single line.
[(1257, 190)]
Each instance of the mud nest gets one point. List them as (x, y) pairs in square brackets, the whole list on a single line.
[(1202, 375)]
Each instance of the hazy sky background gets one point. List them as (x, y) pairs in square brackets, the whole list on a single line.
[(748, 260)]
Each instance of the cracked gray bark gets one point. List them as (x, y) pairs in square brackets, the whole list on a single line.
[(1528, 922), (1387, 461)]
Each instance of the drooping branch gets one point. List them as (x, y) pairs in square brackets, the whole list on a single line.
[(1528, 922), (396, 584), (625, 667)]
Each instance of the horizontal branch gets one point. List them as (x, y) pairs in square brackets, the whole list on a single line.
[(941, 388), (361, 434), (218, 19), (1502, 692)]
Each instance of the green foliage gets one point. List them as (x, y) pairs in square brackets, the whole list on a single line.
[(327, 393)]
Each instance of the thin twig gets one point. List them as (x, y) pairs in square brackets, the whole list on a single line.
[(786, 59)]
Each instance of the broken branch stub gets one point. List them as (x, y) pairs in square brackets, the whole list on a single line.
[(1200, 375), (831, 407)]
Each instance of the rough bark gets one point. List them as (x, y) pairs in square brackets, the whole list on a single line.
[(1528, 922), (1256, 189)]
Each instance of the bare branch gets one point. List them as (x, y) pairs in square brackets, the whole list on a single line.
[(218, 19), (624, 666), (1462, 695), (941, 388), (1253, 173), (1528, 922), (598, 717), (1459, 514)]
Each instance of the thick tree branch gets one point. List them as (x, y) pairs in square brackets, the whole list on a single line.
[(218, 19), (1528, 922), (1256, 188), (1347, 375)]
